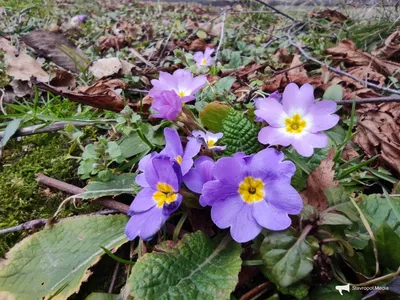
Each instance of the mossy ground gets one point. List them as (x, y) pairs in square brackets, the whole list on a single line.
[(21, 197)]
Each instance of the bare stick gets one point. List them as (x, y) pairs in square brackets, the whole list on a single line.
[(41, 222), (257, 290), (369, 100), (369, 84), (114, 277), (40, 129), (72, 189), (221, 38), (276, 10)]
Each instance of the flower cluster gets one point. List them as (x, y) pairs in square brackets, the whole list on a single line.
[(245, 192)]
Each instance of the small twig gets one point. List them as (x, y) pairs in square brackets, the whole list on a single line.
[(369, 100), (369, 84), (114, 277), (1, 102), (72, 189), (258, 289), (137, 91), (288, 69), (41, 222), (276, 10), (35, 129), (221, 38)]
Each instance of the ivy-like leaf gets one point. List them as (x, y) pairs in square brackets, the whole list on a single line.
[(240, 134), (287, 257), (56, 260), (196, 268)]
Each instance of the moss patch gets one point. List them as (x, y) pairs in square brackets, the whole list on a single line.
[(21, 198)]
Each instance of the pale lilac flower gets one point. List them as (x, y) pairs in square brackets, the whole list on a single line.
[(157, 201), (168, 105), (252, 192), (165, 22), (181, 82), (203, 59), (262, 103), (200, 174), (209, 139), (298, 121)]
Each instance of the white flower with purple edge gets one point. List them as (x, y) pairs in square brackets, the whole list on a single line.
[(209, 139)]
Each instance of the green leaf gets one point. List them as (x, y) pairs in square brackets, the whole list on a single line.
[(388, 244), (236, 60), (299, 180), (287, 257), (298, 290), (333, 219), (102, 296), (329, 292), (224, 85), (379, 211), (57, 259), (132, 145), (213, 115), (334, 92), (10, 130), (202, 34), (118, 184), (240, 134), (196, 268)]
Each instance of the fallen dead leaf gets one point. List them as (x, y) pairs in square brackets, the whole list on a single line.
[(111, 41), (330, 15), (104, 94), (319, 180), (299, 71), (195, 45), (58, 48), (378, 133), (105, 67), (21, 88), (391, 47), (21, 67), (63, 79)]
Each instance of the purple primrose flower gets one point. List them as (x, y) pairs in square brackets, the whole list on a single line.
[(209, 139), (298, 121), (168, 105), (203, 58), (252, 192), (262, 103), (174, 151), (181, 82), (157, 201), (200, 174)]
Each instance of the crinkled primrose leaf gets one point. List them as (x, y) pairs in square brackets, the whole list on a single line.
[(240, 134), (56, 260), (196, 268)]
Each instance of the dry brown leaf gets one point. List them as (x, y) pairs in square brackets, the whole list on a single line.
[(390, 48), (21, 67), (282, 55), (57, 48), (300, 71), (104, 94), (63, 79), (127, 30), (111, 41), (195, 45), (378, 133), (330, 15), (318, 181), (105, 67), (21, 88)]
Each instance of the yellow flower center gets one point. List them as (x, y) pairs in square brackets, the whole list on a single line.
[(178, 159), (203, 62), (165, 194), (295, 124), (210, 144), (181, 94), (251, 189)]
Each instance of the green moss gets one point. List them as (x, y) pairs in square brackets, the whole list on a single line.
[(21, 198)]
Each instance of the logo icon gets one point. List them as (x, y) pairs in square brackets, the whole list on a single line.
[(342, 288)]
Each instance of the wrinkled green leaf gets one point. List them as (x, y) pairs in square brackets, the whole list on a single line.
[(10, 130), (379, 211), (333, 219), (240, 134), (299, 290), (58, 258), (224, 85), (287, 257), (118, 184), (196, 268)]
